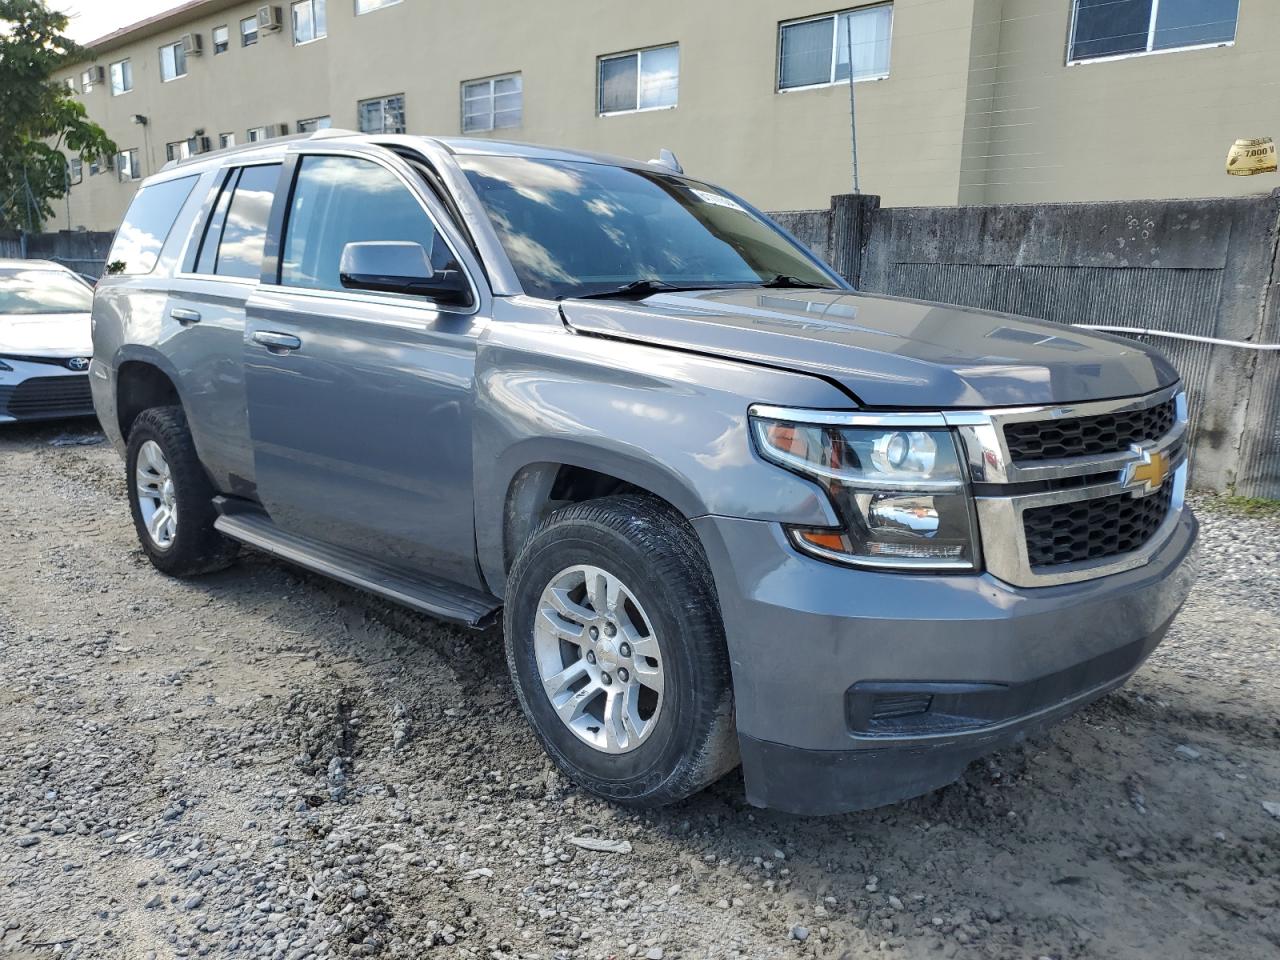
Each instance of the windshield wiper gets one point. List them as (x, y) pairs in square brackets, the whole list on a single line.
[(636, 288), (783, 280)]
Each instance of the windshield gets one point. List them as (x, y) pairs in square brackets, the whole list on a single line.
[(575, 229), (33, 292)]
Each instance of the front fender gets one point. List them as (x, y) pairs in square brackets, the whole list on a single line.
[(672, 423)]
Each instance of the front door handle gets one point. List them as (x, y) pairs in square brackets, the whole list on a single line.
[(277, 342), (185, 316)]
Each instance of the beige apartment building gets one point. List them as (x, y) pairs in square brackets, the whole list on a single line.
[(956, 101)]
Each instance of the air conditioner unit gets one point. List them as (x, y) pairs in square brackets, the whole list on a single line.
[(206, 144), (270, 19), (192, 44), (284, 129), (96, 74)]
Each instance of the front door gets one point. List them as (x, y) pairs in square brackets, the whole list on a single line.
[(360, 404)]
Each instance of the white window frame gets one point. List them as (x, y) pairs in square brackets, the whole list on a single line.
[(182, 151), (377, 5), (86, 81), (492, 83), (835, 49), (639, 55), (70, 84), (321, 123), (213, 36), (125, 68), (382, 101), (128, 160), (257, 134), (1151, 39), (75, 171), (226, 140), (255, 32), (177, 50), (293, 19)]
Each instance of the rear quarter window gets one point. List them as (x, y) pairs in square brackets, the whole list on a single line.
[(146, 226)]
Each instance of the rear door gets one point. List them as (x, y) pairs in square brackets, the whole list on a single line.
[(360, 404), (221, 267)]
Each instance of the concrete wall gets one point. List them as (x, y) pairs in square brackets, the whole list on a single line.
[(980, 105), (1206, 267)]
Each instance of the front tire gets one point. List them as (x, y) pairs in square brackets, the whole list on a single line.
[(171, 498), (617, 651)]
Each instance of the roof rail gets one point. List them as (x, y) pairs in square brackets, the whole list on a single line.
[(331, 133)]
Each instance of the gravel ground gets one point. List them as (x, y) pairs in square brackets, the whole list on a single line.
[(262, 763)]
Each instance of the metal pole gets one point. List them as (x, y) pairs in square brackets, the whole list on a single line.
[(853, 104)]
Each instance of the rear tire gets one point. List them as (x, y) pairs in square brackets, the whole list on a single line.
[(171, 498), (646, 722)]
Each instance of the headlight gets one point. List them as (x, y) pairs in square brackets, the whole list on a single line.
[(899, 491)]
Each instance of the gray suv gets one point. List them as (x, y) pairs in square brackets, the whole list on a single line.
[(733, 511)]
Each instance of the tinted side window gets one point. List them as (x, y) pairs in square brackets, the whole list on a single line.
[(146, 226), (244, 233), (341, 200)]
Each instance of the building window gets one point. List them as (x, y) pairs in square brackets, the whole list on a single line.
[(127, 165), (640, 80), (88, 79), (815, 52), (221, 39), (121, 77), (382, 114), (75, 171), (314, 124), (178, 150), (248, 31), (256, 134), (308, 21), (1118, 28), (70, 84), (368, 6), (173, 62), (493, 104), (226, 140)]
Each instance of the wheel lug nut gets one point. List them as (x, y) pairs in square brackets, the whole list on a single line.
[(623, 675), (591, 657), (624, 650), (610, 629), (606, 679), (594, 633)]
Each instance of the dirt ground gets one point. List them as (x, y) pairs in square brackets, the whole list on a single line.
[(262, 763)]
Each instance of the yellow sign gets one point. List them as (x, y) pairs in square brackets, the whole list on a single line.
[(1149, 473), (1248, 157)]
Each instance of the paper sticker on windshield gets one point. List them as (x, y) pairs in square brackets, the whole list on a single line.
[(718, 199)]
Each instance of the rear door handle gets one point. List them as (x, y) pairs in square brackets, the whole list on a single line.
[(183, 315), (277, 342)]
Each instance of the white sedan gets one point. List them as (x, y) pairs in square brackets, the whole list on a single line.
[(45, 342)]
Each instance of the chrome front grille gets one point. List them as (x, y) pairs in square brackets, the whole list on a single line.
[(1066, 494), (1093, 529), (1033, 440)]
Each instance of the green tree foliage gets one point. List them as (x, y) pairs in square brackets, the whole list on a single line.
[(39, 118)]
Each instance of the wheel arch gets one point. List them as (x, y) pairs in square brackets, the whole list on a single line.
[(143, 380), (542, 476)]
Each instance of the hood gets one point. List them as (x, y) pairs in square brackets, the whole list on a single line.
[(46, 335), (888, 351)]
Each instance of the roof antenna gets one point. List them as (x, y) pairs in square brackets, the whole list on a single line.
[(668, 159)]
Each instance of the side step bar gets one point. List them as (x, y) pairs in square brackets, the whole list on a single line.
[(435, 597)]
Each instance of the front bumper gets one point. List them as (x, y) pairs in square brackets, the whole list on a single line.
[(43, 390), (856, 688)]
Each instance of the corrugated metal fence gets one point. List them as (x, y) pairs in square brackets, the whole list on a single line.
[(84, 251), (1202, 267)]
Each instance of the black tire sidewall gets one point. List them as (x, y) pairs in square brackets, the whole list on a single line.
[(143, 431), (645, 771)]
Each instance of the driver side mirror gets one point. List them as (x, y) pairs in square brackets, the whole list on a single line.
[(394, 266)]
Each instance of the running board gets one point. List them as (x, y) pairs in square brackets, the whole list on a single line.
[(428, 595)]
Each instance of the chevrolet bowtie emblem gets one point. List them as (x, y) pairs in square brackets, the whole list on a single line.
[(1147, 475)]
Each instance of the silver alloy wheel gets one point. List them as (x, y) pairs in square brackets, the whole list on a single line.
[(599, 659), (156, 499)]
